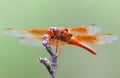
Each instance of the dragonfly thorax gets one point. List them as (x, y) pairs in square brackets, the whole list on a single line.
[(59, 33)]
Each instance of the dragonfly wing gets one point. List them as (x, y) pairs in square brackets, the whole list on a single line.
[(88, 29), (107, 38), (17, 33), (26, 32), (97, 39), (54, 41), (37, 41), (31, 41)]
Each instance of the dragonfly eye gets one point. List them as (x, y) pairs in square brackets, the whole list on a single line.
[(51, 32)]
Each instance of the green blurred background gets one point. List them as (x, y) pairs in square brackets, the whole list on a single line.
[(19, 61)]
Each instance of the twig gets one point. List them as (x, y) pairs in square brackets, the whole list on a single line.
[(50, 65)]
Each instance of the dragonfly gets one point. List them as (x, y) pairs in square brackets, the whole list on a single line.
[(60, 36)]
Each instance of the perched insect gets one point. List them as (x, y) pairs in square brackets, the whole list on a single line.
[(59, 36)]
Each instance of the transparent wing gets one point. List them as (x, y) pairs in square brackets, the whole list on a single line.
[(37, 41), (54, 41), (97, 39), (26, 32), (107, 38), (31, 41), (88, 29)]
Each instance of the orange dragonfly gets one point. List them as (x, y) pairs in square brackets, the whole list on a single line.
[(59, 36)]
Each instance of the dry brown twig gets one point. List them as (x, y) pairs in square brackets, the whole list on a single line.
[(51, 65)]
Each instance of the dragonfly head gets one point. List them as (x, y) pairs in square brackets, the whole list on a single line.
[(53, 31)]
